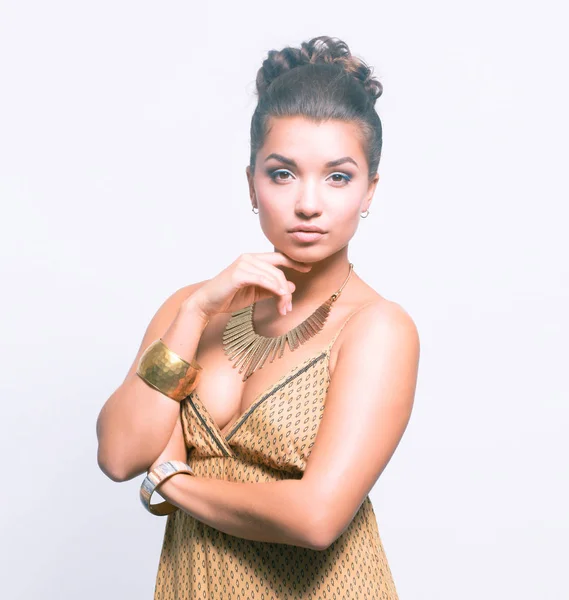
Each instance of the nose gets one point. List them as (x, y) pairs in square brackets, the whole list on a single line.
[(308, 202)]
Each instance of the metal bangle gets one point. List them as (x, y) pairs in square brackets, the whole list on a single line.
[(165, 371), (157, 477)]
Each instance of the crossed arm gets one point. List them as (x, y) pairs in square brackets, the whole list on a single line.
[(368, 406)]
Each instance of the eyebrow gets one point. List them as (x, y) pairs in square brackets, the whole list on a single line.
[(292, 163)]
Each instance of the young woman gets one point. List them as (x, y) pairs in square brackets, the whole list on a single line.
[(302, 376)]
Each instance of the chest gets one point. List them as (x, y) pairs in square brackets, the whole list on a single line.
[(226, 398), (278, 428)]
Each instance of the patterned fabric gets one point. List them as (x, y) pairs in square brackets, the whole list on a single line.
[(270, 441)]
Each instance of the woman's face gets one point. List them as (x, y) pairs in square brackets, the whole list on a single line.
[(294, 185)]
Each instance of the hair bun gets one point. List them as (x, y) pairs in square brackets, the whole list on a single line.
[(319, 50)]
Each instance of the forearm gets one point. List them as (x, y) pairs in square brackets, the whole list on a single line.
[(278, 512)]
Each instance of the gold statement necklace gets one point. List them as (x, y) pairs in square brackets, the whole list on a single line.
[(241, 341)]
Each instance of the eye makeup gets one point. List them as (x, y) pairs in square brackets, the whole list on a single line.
[(274, 175)]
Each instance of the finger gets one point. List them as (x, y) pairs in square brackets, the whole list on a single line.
[(278, 258), (281, 277), (251, 275)]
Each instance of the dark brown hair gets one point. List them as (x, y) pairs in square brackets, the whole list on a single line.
[(321, 80)]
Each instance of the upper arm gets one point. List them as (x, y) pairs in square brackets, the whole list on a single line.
[(368, 405)]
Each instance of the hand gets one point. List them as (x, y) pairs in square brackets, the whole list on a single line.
[(248, 279)]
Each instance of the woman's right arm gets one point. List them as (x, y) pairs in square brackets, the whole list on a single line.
[(136, 422)]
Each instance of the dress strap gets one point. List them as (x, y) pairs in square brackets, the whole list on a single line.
[(344, 323)]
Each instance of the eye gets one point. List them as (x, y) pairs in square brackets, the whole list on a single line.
[(276, 174), (283, 175), (344, 178)]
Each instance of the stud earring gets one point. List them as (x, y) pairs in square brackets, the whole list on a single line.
[(253, 209), (362, 215)]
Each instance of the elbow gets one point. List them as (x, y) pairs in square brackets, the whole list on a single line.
[(321, 541), (111, 469), (107, 466), (322, 531), (117, 462)]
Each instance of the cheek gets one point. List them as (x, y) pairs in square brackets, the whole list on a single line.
[(346, 223), (265, 195), (275, 209), (273, 216), (347, 208)]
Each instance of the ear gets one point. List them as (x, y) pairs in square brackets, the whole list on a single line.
[(370, 191), (251, 186)]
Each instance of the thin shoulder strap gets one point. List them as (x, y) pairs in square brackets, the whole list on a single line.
[(344, 323)]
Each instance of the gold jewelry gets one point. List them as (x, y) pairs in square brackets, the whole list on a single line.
[(167, 372), (155, 479), (362, 215), (241, 340)]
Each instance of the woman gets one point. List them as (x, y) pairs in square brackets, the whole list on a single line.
[(302, 376)]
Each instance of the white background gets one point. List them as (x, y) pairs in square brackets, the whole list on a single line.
[(123, 145)]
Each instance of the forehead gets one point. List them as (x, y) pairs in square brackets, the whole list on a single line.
[(309, 141)]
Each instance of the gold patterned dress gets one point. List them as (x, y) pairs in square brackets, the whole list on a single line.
[(270, 441)]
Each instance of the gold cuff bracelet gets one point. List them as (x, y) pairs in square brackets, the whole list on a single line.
[(167, 372)]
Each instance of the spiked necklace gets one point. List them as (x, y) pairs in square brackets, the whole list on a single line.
[(251, 349)]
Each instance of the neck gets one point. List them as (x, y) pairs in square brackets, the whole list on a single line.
[(324, 279)]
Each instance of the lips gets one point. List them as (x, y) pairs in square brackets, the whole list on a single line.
[(308, 228), (306, 236)]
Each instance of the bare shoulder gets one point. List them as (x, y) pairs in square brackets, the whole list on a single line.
[(175, 300), (161, 321), (170, 307), (378, 325), (380, 344), (382, 313), (375, 313)]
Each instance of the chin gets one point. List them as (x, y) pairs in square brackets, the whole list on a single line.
[(307, 255)]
